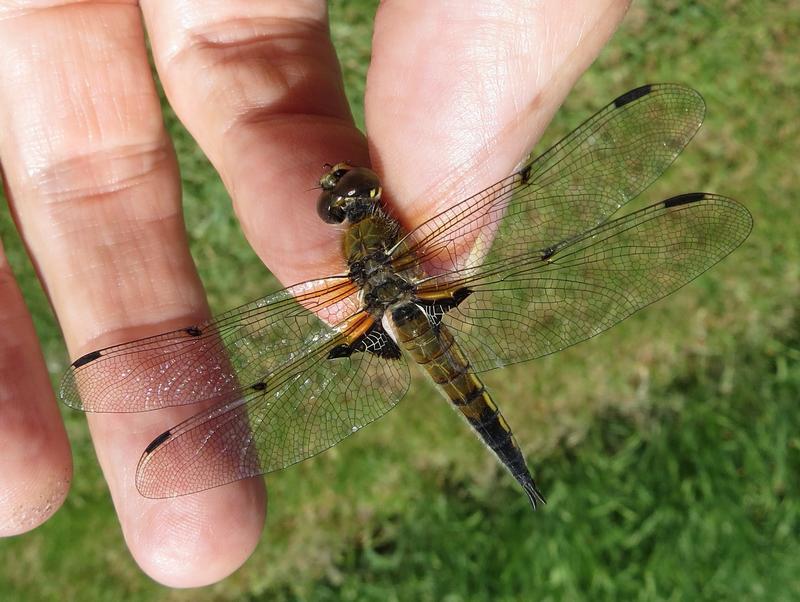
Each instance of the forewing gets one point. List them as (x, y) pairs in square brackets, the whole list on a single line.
[(300, 410), (539, 303), (213, 360), (575, 185)]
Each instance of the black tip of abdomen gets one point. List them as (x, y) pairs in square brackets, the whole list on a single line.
[(534, 495)]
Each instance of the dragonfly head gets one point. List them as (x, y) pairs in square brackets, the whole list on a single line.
[(348, 193)]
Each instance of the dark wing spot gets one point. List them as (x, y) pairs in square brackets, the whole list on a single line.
[(525, 173), (343, 350), (632, 95), (85, 359), (685, 199), (259, 386), (158, 441), (377, 342), (435, 310), (442, 305), (194, 331), (461, 294), (374, 341)]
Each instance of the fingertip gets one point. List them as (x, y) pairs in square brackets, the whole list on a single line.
[(198, 539), (29, 498), (478, 82), (35, 464)]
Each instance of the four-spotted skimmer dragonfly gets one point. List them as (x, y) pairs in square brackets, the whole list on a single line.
[(522, 269)]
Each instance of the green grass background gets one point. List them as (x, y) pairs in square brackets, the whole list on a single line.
[(668, 447)]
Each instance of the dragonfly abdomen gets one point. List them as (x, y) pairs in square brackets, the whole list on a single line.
[(434, 348)]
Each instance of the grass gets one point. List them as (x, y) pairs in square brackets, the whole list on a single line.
[(668, 448)]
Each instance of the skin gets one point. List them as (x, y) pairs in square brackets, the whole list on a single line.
[(453, 88)]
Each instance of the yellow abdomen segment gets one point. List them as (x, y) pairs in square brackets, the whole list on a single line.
[(434, 348)]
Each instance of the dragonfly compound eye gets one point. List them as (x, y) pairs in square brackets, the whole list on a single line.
[(359, 183), (333, 175), (330, 208)]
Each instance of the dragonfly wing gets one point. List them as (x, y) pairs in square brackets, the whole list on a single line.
[(538, 303), (296, 412), (572, 187), (212, 360)]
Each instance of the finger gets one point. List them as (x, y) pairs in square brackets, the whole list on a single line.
[(259, 86), (458, 92), (96, 195), (35, 466)]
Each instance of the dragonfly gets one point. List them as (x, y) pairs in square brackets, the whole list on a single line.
[(527, 267)]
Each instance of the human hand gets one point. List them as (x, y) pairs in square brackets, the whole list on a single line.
[(457, 93)]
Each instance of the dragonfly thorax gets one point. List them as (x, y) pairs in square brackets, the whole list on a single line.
[(369, 239), (382, 289)]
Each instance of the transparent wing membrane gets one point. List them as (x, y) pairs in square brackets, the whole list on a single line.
[(525, 268), (297, 412), (539, 303), (211, 360), (575, 185)]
